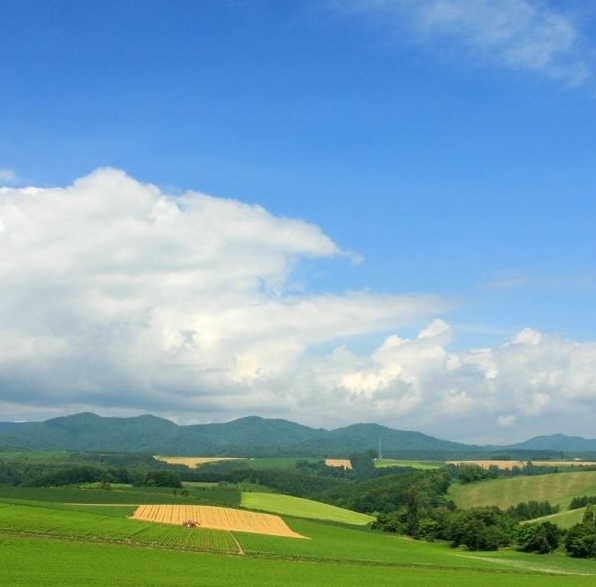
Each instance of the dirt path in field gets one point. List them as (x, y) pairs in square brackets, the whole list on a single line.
[(240, 550)]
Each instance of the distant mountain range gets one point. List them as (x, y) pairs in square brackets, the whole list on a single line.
[(255, 436)]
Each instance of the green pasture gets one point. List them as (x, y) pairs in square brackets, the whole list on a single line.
[(301, 508), (41, 456), (384, 463), (276, 462), (564, 519), (325, 543), (126, 494), (556, 488), (50, 562)]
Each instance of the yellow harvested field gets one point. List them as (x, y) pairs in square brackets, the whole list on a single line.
[(193, 462), (216, 518), (520, 464), (343, 463), (487, 464), (565, 463)]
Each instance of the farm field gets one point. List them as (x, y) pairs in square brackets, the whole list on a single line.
[(94, 524), (328, 542), (566, 518), (126, 494), (95, 544), (277, 462), (511, 464), (557, 488), (216, 518), (194, 462), (383, 463), (251, 463), (301, 508), (340, 463), (60, 563)]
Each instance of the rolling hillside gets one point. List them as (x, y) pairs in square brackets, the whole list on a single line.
[(558, 489)]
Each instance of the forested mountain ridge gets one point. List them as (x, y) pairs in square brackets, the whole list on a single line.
[(250, 436)]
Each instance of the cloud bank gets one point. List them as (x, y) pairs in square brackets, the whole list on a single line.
[(120, 299), (526, 35)]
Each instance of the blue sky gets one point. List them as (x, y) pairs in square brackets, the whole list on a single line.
[(327, 211)]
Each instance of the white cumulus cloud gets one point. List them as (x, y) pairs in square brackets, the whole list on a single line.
[(116, 294), (121, 299)]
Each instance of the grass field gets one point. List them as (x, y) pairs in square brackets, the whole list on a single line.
[(54, 543), (301, 508), (327, 542), (127, 494), (510, 464), (50, 562), (72, 536), (565, 519), (383, 463), (34, 455), (558, 489)]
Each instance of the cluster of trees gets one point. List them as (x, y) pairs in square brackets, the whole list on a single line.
[(80, 474), (580, 540), (90, 474), (72, 469), (480, 528), (582, 502), (472, 473), (529, 510), (296, 482)]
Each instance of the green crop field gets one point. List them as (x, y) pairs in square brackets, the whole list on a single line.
[(71, 536), (47, 543), (126, 494), (301, 508), (41, 456), (276, 462), (557, 488), (49, 562), (383, 463), (566, 518)]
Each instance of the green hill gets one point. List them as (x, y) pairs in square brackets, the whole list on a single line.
[(302, 508), (558, 489)]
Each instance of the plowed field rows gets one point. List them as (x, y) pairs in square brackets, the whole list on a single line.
[(216, 518)]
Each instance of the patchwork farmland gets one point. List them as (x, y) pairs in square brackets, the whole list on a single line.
[(199, 522), (216, 518)]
